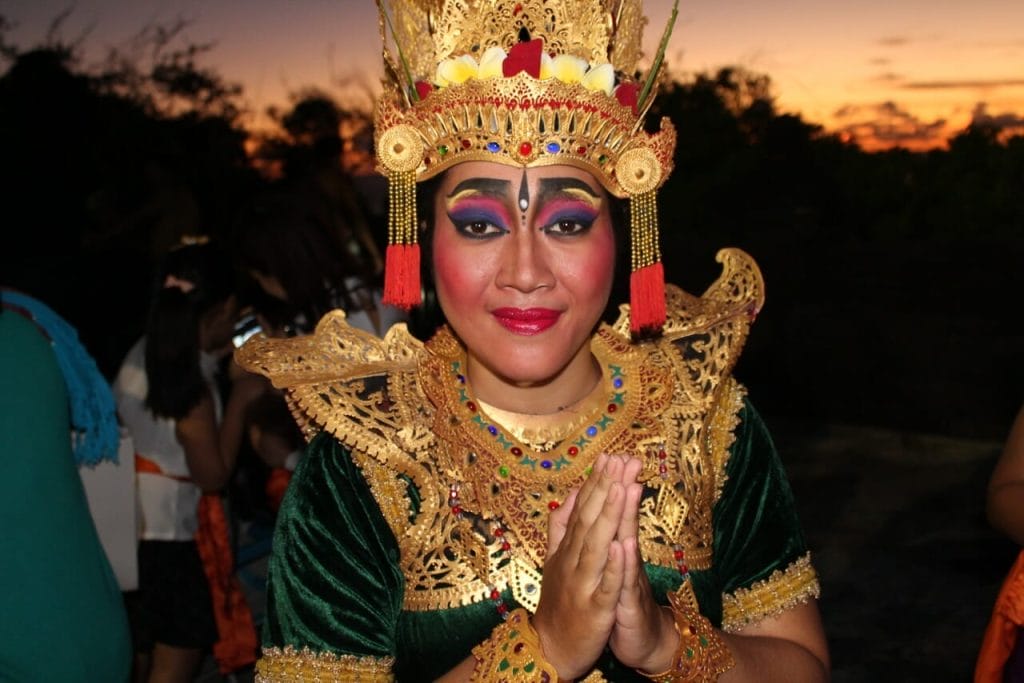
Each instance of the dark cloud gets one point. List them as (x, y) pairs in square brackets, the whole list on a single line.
[(886, 125), (1006, 123), (952, 85), (894, 41), (888, 77)]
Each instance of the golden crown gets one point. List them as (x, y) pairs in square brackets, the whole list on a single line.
[(524, 83)]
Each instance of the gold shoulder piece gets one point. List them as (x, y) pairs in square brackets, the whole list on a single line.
[(783, 590), (335, 351), (737, 296), (289, 665)]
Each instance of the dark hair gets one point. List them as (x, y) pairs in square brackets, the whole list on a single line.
[(426, 196), (191, 281), (287, 235)]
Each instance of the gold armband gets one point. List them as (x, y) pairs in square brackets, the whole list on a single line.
[(702, 655), (512, 654)]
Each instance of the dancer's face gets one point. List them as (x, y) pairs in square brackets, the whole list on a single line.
[(523, 264)]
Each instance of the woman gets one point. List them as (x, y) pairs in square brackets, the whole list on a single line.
[(533, 495), (167, 398)]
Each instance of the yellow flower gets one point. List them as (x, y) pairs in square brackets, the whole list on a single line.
[(456, 71), (567, 68), (490, 63), (600, 77)]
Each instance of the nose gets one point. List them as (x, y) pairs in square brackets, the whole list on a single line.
[(524, 262)]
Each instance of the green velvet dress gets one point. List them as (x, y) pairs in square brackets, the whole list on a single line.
[(349, 588)]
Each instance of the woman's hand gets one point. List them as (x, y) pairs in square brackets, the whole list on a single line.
[(583, 572), (644, 636)]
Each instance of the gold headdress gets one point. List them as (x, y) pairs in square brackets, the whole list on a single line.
[(524, 83)]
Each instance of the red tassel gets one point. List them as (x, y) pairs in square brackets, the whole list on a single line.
[(647, 300), (402, 276)]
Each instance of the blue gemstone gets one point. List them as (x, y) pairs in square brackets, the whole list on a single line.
[(493, 147), (617, 383), (461, 378), (591, 431), (546, 464), (492, 429), (553, 148)]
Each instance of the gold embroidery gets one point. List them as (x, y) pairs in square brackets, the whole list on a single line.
[(289, 665), (781, 591), (395, 404)]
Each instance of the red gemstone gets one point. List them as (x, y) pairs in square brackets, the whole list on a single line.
[(519, 647), (466, 144), (662, 454), (506, 545), (525, 149), (502, 608), (581, 150), (679, 554), (517, 451), (471, 406), (684, 569), (456, 510), (495, 594), (573, 451), (553, 505), (499, 532), (612, 407)]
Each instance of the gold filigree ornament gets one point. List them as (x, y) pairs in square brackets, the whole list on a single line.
[(524, 83)]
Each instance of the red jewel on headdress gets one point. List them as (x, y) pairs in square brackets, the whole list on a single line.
[(525, 149), (626, 94), (524, 56), (423, 89)]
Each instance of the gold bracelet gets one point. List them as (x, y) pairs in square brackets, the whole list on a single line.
[(702, 655), (512, 654)]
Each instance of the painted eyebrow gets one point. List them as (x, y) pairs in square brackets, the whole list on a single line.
[(488, 186), (571, 187)]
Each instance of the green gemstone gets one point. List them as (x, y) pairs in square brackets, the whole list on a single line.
[(689, 653), (588, 471), (602, 159), (503, 664), (442, 149), (503, 471), (529, 667), (703, 641)]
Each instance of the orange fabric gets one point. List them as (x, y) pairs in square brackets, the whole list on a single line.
[(1001, 634), (277, 484), (236, 646)]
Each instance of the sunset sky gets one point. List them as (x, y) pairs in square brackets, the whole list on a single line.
[(888, 72)]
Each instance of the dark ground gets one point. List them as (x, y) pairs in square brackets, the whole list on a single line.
[(908, 564)]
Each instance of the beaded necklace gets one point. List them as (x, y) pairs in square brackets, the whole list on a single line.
[(499, 477)]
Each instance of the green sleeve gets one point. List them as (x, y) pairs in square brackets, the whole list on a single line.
[(334, 582), (756, 529)]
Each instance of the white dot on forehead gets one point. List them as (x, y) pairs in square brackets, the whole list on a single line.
[(524, 203)]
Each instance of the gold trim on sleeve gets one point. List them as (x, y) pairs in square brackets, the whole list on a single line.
[(289, 665), (781, 591)]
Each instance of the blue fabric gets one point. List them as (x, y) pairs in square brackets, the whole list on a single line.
[(93, 411)]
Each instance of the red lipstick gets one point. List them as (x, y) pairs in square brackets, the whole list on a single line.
[(526, 321)]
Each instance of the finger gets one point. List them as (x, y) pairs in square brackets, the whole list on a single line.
[(611, 584), (558, 521), (593, 549), (592, 481), (629, 526)]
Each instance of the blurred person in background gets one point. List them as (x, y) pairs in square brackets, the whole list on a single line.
[(63, 616), (300, 269), (168, 399)]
